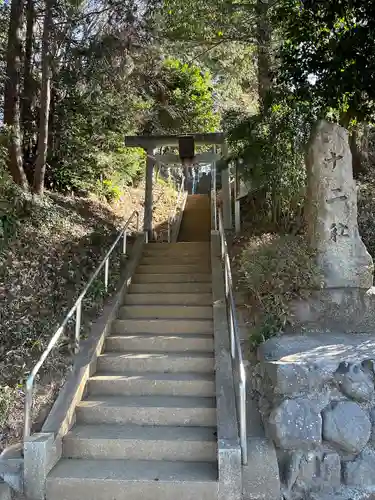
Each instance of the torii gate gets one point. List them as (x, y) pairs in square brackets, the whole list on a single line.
[(187, 156)]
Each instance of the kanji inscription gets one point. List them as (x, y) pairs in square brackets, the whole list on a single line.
[(339, 230), (334, 159), (338, 196)]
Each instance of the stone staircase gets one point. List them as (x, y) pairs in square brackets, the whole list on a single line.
[(196, 220), (146, 428)]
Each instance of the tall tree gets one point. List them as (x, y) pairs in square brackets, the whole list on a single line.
[(328, 54), (328, 58), (28, 82), (263, 51), (12, 93), (4, 27), (45, 99)]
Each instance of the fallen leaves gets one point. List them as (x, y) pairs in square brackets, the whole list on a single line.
[(55, 247)]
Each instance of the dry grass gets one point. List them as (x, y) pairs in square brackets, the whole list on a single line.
[(48, 253), (271, 270)]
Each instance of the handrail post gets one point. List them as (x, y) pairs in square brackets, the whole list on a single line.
[(106, 274), (78, 325), (28, 405), (243, 423), (172, 218)]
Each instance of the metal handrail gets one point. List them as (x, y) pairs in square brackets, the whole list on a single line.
[(172, 218), (77, 310), (235, 345)]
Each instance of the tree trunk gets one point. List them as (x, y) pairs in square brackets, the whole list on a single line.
[(263, 52), (45, 98), (12, 94), (345, 119), (28, 87), (356, 154)]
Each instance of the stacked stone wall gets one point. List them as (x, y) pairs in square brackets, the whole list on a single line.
[(318, 407)]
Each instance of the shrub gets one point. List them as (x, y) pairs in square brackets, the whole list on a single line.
[(275, 270), (6, 399), (269, 147), (366, 213), (108, 190)]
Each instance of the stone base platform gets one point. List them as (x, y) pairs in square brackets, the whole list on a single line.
[(316, 395)]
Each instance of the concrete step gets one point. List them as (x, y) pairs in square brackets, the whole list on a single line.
[(157, 298), (188, 245), (172, 278), (147, 410), (170, 288), (152, 384), (180, 250), (203, 256), (174, 259), (77, 479), (159, 343), (165, 312), (134, 442), (156, 362), (173, 269), (164, 326)]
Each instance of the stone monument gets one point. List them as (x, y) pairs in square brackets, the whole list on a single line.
[(331, 211), (346, 301)]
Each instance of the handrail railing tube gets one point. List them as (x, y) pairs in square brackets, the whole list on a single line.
[(78, 325), (77, 311), (106, 274), (172, 218), (235, 345), (124, 242)]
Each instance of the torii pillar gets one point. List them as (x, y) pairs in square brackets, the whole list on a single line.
[(226, 192), (147, 219)]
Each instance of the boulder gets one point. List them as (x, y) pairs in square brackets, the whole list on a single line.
[(361, 471), (355, 380), (294, 424), (347, 426)]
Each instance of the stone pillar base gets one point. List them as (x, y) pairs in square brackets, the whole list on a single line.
[(334, 310)]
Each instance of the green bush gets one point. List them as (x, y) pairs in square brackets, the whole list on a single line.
[(366, 213), (7, 396), (275, 270), (108, 190)]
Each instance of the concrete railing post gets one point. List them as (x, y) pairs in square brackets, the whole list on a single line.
[(41, 453)]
